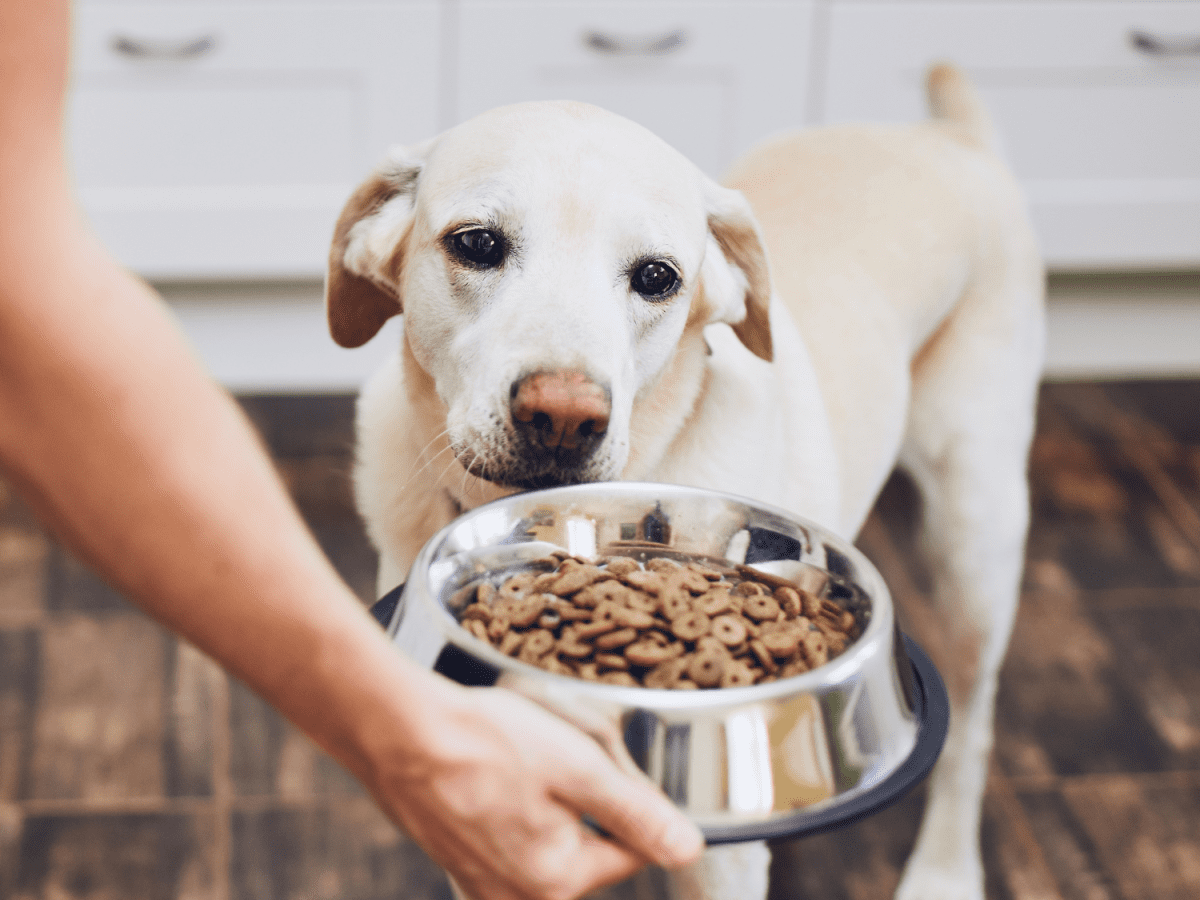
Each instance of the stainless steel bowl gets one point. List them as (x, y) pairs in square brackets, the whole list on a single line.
[(790, 757)]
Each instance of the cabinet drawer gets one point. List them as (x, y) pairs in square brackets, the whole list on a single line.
[(220, 140), (709, 78), (1098, 105)]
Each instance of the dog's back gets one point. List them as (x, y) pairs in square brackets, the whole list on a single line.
[(876, 235)]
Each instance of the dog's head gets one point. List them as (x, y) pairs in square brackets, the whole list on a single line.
[(548, 259)]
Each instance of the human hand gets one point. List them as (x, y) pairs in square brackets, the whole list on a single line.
[(494, 787)]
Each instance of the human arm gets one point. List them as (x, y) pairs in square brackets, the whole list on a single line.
[(149, 471)]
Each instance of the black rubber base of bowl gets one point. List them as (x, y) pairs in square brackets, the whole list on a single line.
[(931, 706)]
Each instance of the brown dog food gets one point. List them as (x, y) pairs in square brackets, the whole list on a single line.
[(664, 623)]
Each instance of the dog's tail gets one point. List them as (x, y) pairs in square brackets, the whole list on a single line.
[(954, 101)]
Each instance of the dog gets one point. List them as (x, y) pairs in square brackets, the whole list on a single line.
[(580, 303)]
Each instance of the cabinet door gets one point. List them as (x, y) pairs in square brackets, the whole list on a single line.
[(709, 78), (220, 140), (1098, 105)]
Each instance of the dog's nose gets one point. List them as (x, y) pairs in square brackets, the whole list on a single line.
[(562, 409)]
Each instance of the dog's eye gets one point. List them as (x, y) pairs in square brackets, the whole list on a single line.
[(478, 247), (654, 279)]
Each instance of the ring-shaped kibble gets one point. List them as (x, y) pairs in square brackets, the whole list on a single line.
[(675, 604), (621, 565), (789, 601), (647, 653), (574, 648), (716, 602), (527, 611), (737, 675), (641, 601), (729, 630), (614, 639), (498, 627), (511, 642), (516, 586), (539, 642), (781, 644), (749, 589), (691, 625), (707, 668), (607, 611), (762, 607), (588, 630), (764, 657)]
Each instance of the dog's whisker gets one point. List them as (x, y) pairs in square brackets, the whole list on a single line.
[(430, 460)]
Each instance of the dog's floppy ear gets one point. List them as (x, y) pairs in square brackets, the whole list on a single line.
[(737, 280), (362, 283)]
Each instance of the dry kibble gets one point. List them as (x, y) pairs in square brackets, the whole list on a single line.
[(666, 674), (477, 611), (614, 639), (650, 582), (511, 642), (789, 601), (477, 628), (527, 611), (761, 607), (781, 643), (622, 566), (649, 653), (622, 678), (575, 579), (749, 589), (516, 587), (670, 623), (763, 655), (675, 604), (633, 618), (589, 630), (691, 625), (737, 674), (612, 661), (729, 630), (707, 667), (498, 627), (716, 602)]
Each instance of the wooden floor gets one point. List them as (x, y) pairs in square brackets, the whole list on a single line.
[(132, 768)]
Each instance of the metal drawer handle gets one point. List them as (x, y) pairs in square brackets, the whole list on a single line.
[(626, 45), (147, 48), (1164, 46)]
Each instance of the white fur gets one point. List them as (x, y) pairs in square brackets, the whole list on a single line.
[(905, 326)]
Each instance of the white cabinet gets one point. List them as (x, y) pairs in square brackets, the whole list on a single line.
[(710, 78), (1098, 104), (220, 139)]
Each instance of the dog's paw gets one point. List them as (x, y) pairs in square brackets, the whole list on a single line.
[(935, 883)]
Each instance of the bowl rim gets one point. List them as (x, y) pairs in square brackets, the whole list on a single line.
[(877, 637)]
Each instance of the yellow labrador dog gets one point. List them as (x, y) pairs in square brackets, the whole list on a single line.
[(580, 303)]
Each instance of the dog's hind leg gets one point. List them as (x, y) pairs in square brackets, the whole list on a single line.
[(970, 425)]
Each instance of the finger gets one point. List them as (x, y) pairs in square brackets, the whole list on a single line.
[(636, 814), (601, 863)]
